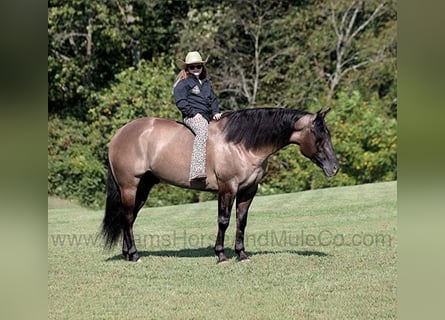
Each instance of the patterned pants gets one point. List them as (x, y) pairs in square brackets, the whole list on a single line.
[(198, 162)]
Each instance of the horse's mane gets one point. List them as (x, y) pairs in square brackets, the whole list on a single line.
[(259, 127)]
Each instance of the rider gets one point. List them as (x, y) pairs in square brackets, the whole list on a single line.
[(197, 102)]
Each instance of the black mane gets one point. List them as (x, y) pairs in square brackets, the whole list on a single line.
[(259, 127)]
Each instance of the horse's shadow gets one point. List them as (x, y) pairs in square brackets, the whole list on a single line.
[(208, 252)]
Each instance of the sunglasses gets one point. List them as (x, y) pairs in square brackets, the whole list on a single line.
[(195, 66)]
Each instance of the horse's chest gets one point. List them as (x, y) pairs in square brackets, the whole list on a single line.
[(254, 175)]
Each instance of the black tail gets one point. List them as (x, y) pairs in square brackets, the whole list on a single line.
[(113, 220)]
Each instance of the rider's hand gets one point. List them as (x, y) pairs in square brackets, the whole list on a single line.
[(217, 116)]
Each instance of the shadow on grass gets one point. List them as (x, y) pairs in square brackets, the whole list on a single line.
[(208, 252)]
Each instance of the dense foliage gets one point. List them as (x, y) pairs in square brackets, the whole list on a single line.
[(110, 62)]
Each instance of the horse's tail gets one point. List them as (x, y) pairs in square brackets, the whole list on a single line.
[(112, 224)]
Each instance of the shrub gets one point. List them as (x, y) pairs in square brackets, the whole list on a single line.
[(365, 138), (74, 172)]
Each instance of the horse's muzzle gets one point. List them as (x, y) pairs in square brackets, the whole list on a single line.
[(330, 170)]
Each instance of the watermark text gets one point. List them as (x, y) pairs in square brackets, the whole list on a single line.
[(279, 239)]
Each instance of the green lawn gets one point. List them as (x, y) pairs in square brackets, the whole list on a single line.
[(322, 254)]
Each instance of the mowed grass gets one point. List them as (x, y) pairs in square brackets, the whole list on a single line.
[(322, 254)]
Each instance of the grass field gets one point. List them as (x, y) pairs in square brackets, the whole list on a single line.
[(322, 254)]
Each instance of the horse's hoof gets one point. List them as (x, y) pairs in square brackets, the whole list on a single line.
[(139, 260), (245, 260), (132, 258), (222, 260)]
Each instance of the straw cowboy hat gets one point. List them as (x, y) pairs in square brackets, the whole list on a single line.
[(192, 57)]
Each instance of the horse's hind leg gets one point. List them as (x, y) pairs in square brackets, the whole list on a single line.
[(129, 204), (133, 201), (148, 180)]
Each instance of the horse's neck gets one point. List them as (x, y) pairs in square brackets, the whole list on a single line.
[(263, 152)]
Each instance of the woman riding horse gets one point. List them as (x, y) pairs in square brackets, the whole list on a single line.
[(195, 98)]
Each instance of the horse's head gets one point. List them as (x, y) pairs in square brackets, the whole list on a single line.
[(314, 139)]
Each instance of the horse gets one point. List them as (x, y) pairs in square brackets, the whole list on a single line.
[(150, 150)]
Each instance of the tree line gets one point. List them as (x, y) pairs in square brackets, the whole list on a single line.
[(110, 62)]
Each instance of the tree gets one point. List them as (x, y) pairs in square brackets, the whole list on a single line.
[(91, 41), (81, 34), (343, 45), (347, 27), (262, 45), (243, 43)]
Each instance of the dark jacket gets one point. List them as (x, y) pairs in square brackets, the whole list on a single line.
[(192, 97)]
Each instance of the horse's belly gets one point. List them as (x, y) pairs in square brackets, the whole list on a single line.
[(209, 185)]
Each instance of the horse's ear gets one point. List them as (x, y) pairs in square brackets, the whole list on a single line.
[(322, 113)]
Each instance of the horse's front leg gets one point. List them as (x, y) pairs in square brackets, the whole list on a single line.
[(243, 201), (225, 203)]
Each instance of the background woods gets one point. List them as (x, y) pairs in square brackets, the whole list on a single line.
[(110, 62)]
